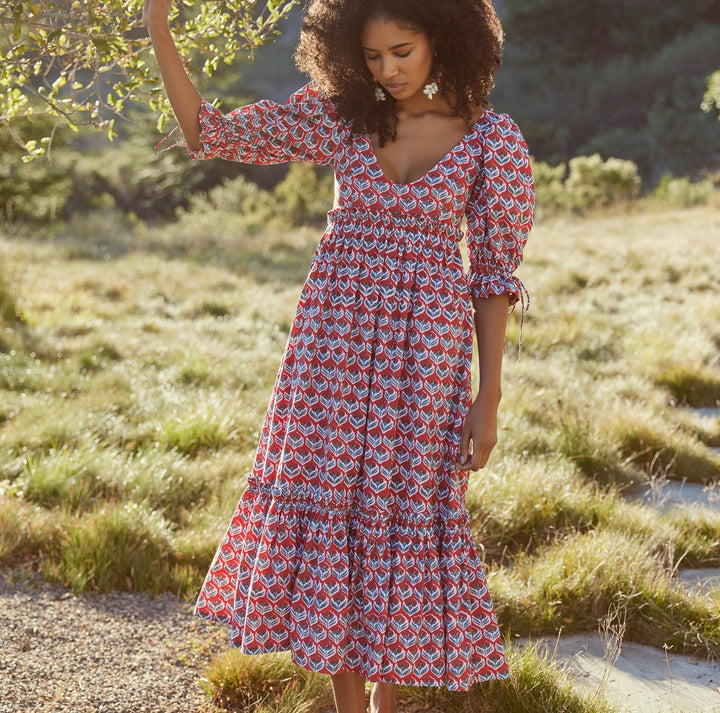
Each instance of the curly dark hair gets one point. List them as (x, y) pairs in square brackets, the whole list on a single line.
[(467, 37)]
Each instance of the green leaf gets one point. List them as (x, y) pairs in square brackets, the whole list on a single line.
[(101, 44)]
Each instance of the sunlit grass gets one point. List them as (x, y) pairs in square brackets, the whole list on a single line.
[(271, 683), (268, 683), (572, 585), (121, 547), (133, 392)]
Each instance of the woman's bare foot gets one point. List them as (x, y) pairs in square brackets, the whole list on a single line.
[(383, 698)]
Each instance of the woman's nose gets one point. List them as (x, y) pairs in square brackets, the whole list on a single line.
[(389, 69)]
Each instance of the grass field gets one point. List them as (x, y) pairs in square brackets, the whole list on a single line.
[(134, 382)]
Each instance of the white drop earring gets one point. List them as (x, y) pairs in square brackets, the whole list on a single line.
[(431, 89), (380, 93)]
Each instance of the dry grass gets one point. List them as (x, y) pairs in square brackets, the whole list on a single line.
[(132, 394)]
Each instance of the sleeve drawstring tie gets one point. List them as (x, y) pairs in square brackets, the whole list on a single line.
[(179, 141), (524, 307)]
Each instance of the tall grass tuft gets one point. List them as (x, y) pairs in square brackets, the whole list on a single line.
[(67, 478), (27, 532), (511, 514), (573, 586), (537, 683), (194, 433), (662, 450), (126, 546), (691, 384), (270, 683)]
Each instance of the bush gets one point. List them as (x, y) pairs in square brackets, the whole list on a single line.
[(593, 183), (590, 183), (549, 186), (35, 191), (683, 193), (237, 196), (305, 196)]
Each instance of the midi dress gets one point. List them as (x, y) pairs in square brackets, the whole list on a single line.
[(350, 546)]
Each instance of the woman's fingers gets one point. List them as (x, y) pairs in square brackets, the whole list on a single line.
[(478, 456), (463, 459), (481, 455)]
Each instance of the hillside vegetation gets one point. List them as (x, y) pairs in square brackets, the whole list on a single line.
[(136, 363)]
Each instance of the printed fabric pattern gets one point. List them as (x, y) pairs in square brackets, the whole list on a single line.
[(351, 546)]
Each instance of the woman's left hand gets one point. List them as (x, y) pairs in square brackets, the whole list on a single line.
[(480, 431)]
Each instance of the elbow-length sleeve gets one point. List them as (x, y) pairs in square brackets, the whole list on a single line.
[(500, 212), (305, 128)]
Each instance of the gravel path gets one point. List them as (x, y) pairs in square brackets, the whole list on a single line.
[(113, 653)]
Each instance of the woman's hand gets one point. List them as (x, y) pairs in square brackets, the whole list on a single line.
[(480, 430), (155, 12)]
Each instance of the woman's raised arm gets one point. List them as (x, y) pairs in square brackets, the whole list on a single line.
[(184, 98)]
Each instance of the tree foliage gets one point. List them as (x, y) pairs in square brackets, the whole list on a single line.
[(587, 32), (622, 78), (83, 62)]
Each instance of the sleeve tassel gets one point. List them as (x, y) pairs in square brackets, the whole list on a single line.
[(524, 307)]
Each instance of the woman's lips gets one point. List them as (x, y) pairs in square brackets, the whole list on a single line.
[(394, 88)]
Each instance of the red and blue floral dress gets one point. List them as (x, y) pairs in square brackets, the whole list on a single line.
[(350, 546)]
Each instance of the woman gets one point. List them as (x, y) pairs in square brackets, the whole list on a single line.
[(350, 546)]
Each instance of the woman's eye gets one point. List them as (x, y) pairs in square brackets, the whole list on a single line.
[(407, 54), (371, 59)]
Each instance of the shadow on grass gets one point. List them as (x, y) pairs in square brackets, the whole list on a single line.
[(699, 388)]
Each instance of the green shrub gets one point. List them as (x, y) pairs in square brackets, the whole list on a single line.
[(302, 198), (586, 182), (549, 186), (305, 196), (594, 183), (237, 196), (683, 193)]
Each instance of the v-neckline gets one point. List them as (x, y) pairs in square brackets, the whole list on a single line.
[(461, 143)]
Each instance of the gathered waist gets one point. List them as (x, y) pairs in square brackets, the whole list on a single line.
[(392, 235), (394, 223)]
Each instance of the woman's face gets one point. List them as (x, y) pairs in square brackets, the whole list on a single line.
[(400, 58)]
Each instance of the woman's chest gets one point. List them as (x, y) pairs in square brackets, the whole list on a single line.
[(441, 192)]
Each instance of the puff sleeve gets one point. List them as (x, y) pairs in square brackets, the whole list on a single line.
[(305, 128), (500, 212)]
